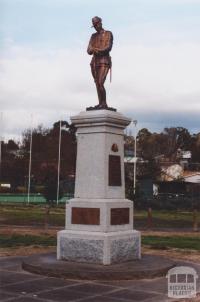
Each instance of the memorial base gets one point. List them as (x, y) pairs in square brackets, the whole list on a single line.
[(99, 247), (99, 220)]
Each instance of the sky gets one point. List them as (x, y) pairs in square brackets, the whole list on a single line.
[(45, 69)]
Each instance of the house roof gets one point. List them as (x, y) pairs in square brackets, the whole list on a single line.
[(193, 177), (172, 172), (187, 176)]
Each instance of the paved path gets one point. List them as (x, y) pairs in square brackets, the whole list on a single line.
[(20, 286)]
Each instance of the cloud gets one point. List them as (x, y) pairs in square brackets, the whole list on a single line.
[(182, 1), (48, 84), (165, 77), (51, 84), (170, 2)]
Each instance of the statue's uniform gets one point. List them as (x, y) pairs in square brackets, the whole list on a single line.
[(99, 46), (103, 42)]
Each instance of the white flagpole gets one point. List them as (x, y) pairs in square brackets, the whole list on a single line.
[(59, 148), (135, 157), (30, 160)]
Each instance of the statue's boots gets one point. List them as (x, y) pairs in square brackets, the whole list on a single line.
[(102, 106)]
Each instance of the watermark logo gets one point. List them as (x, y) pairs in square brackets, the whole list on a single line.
[(182, 282)]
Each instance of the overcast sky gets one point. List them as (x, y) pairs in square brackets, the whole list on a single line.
[(44, 67)]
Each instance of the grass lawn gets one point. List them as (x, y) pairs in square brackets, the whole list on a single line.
[(30, 215), (17, 240), (22, 231), (165, 219), (35, 215), (155, 242), (181, 242)]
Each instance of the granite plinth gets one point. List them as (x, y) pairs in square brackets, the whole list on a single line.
[(98, 247), (149, 266)]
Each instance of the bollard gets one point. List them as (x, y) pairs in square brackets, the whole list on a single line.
[(149, 218), (195, 221)]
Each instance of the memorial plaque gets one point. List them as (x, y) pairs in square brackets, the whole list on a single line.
[(119, 216), (114, 174), (85, 216)]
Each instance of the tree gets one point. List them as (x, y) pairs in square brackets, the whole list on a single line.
[(195, 147), (184, 139), (143, 143), (177, 138), (50, 191), (12, 145), (45, 144)]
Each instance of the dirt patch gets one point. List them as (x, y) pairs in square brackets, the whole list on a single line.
[(169, 234), (26, 250), (30, 230), (180, 254), (26, 230), (172, 253)]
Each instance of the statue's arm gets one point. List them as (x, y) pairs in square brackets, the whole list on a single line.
[(90, 50), (108, 47)]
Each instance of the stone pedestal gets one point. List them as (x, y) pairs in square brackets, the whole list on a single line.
[(99, 220)]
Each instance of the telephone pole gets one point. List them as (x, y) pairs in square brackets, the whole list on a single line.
[(1, 138)]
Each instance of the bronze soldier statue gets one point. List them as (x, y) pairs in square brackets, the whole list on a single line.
[(99, 46)]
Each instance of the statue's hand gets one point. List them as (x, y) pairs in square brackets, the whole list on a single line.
[(96, 51), (90, 50)]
